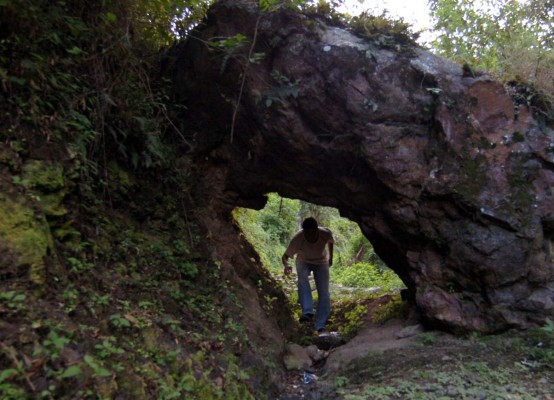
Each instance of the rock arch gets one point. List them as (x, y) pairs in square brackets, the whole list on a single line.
[(447, 177)]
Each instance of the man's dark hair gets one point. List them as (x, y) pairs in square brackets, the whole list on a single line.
[(309, 223)]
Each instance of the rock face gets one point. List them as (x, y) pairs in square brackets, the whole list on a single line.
[(450, 181)]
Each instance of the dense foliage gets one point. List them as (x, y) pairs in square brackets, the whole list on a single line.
[(512, 39), (123, 303), (84, 73)]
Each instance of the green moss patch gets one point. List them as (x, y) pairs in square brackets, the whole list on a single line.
[(26, 234), (47, 182)]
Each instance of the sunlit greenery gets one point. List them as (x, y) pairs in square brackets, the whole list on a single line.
[(510, 38), (355, 262)]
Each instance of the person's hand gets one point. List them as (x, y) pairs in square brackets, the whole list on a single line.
[(287, 270), (330, 262)]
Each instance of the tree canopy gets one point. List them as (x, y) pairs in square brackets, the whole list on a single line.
[(512, 39)]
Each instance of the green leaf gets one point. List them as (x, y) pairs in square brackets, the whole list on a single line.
[(101, 372), (269, 5), (7, 373), (75, 51), (72, 371), (19, 297), (110, 17), (97, 370), (4, 3)]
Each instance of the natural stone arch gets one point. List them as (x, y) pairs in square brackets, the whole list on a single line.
[(449, 180)]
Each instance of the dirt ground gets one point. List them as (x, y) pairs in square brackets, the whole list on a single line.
[(399, 360)]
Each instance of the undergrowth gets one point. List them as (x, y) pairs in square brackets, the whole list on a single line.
[(126, 304), (122, 316)]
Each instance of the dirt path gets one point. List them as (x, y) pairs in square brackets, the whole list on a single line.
[(394, 361), (398, 360), (372, 338)]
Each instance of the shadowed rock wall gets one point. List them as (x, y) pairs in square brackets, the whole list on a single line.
[(450, 181)]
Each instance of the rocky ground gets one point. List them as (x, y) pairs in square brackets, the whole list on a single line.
[(400, 360)]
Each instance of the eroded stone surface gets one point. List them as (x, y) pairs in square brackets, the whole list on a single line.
[(451, 186)]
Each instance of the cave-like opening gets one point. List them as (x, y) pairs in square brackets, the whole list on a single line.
[(358, 276)]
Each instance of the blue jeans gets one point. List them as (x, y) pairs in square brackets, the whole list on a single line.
[(321, 278)]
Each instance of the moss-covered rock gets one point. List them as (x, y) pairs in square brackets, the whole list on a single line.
[(26, 234), (48, 177), (47, 182)]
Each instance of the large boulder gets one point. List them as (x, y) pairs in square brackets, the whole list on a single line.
[(449, 178)]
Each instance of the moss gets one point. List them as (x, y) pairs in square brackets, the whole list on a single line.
[(395, 308), (9, 158), (521, 196), (46, 181), (44, 176), (150, 337), (473, 174), (132, 384), (66, 232), (27, 234), (52, 204), (106, 389)]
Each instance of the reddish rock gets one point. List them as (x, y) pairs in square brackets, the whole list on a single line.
[(453, 188)]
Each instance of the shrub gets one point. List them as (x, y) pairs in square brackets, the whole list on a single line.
[(367, 275)]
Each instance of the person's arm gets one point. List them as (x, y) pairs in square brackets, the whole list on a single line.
[(288, 268), (331, 246)]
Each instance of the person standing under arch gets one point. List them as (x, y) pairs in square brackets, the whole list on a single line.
[(310, 247)]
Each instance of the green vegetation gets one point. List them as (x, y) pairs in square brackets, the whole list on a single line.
[(355, 263), (139, 317), (511, 39), (367, 275), (29, 238), (106, 290), (383, 29), (62, 81)]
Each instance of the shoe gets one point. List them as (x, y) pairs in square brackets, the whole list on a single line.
[(306, 318), (321, 331)]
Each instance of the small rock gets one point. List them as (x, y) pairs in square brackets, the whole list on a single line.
[(452, 392), (315, 353), (409, 331), (297, 358)]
